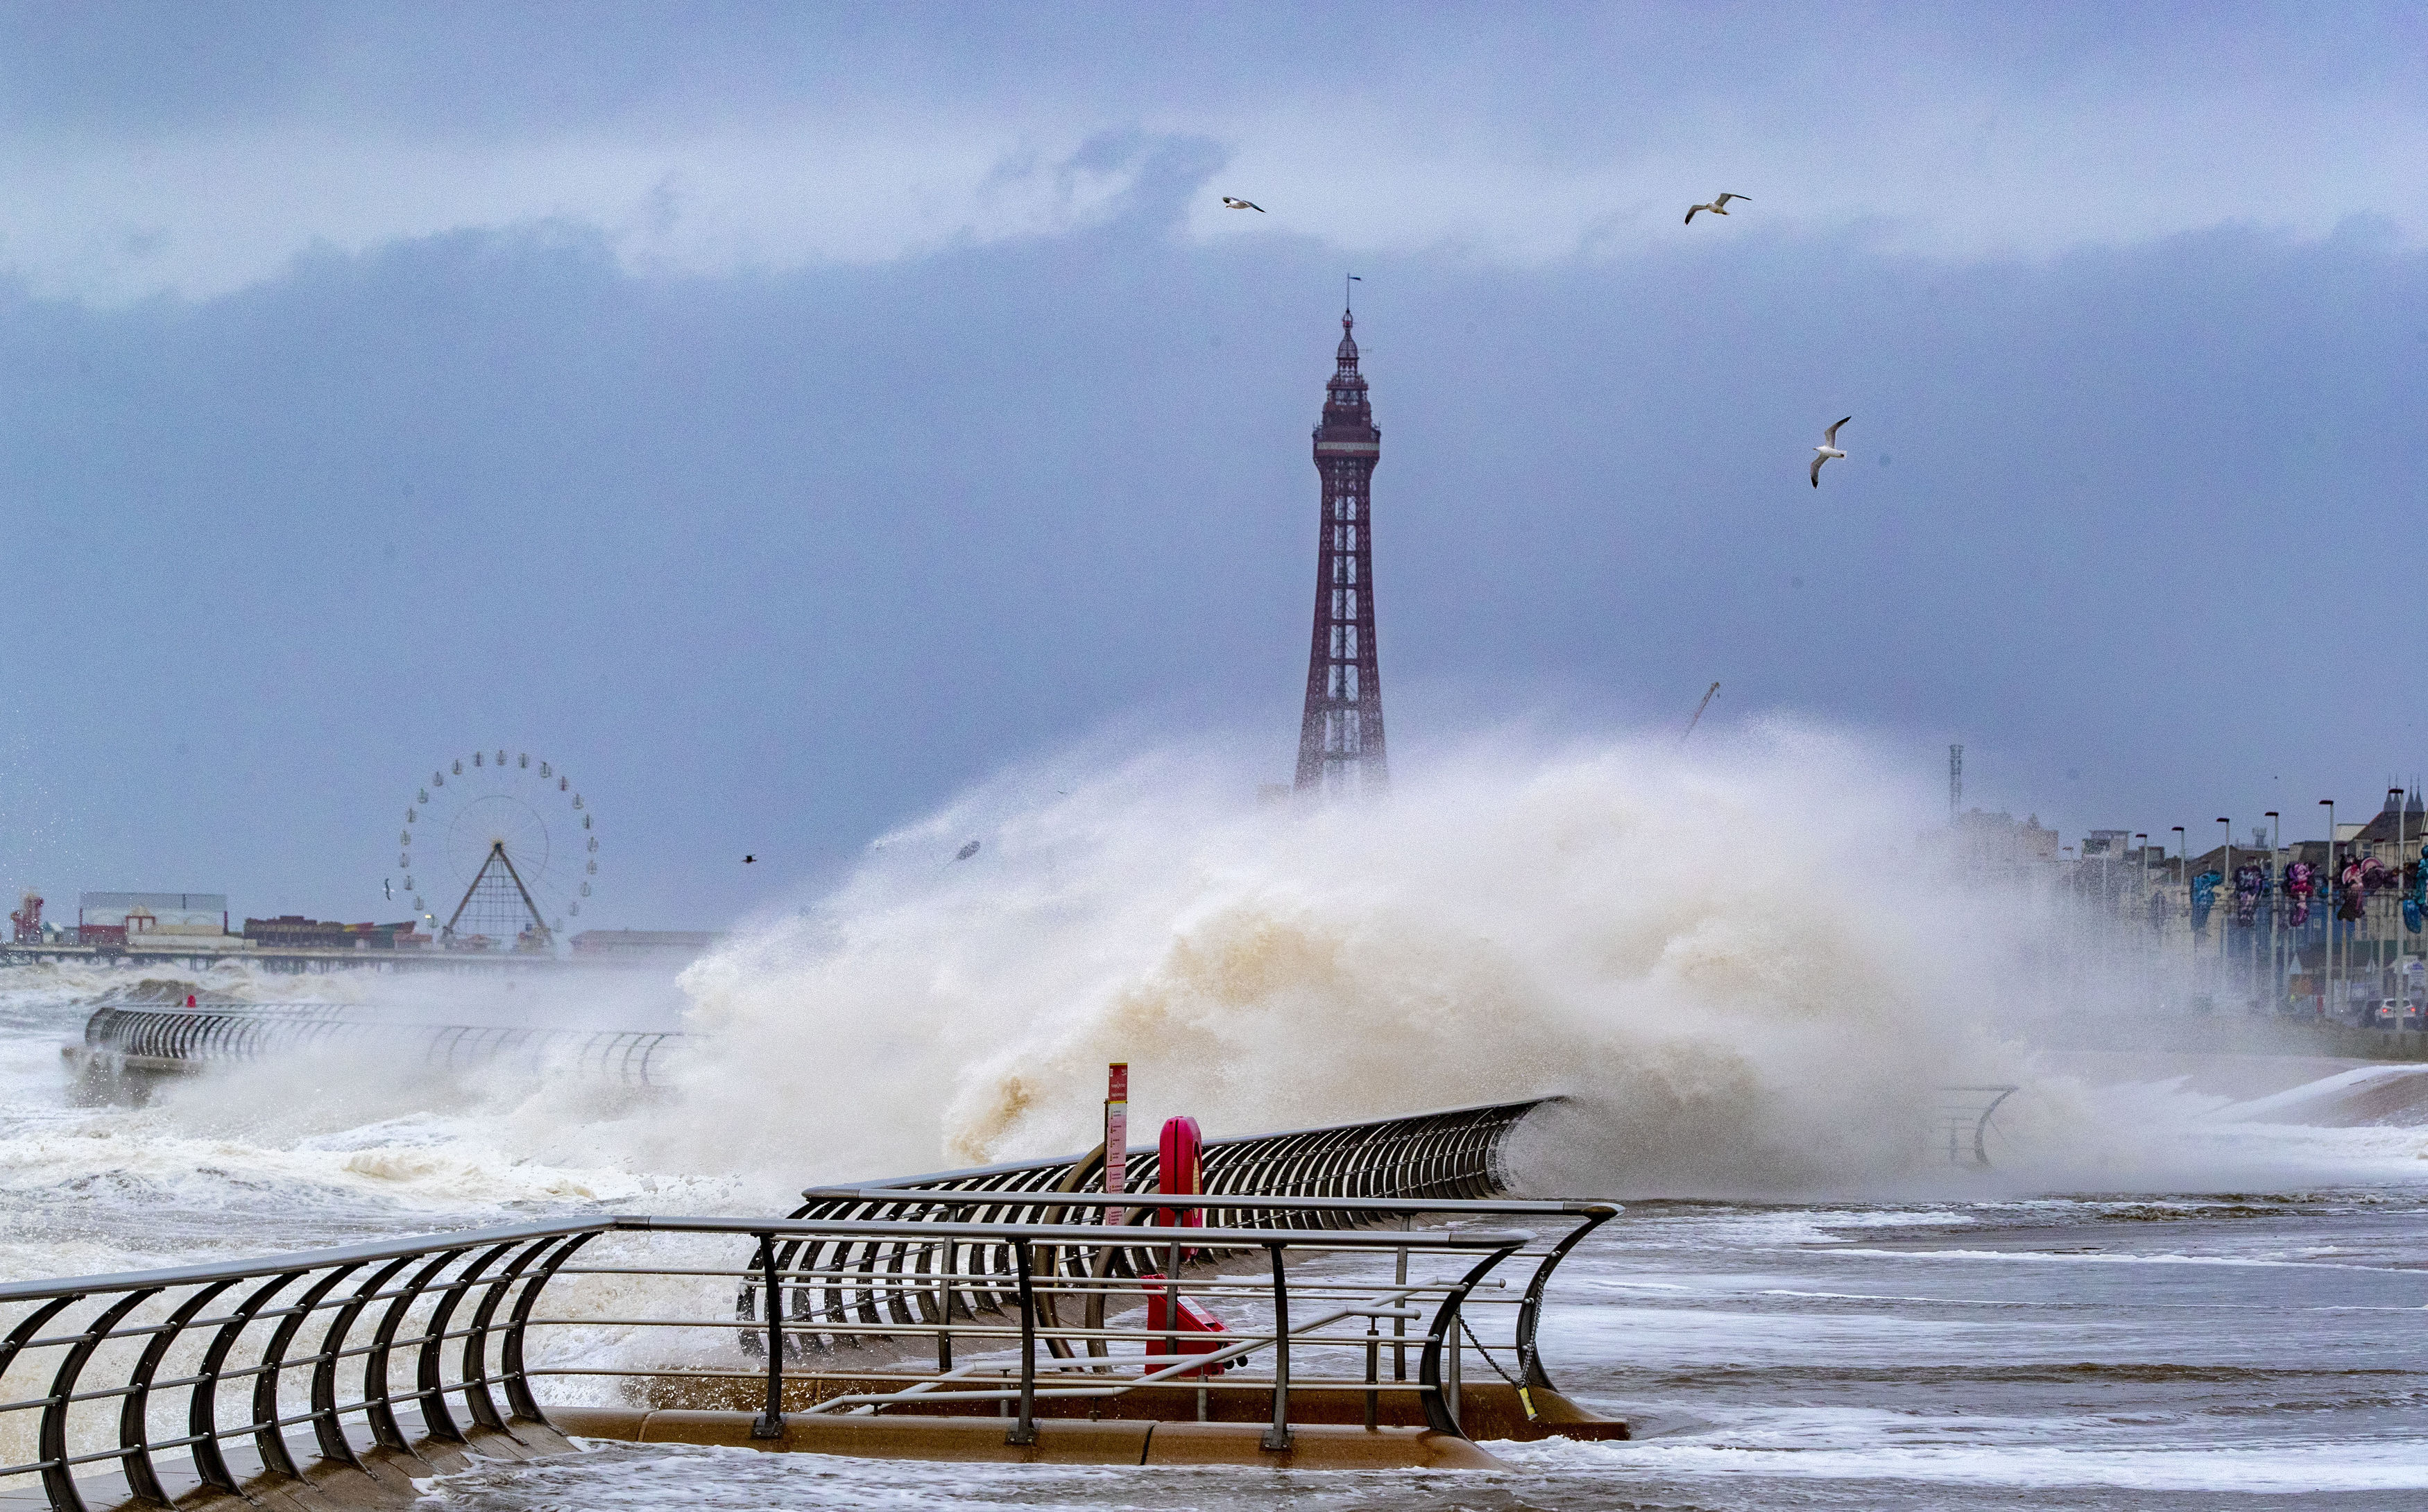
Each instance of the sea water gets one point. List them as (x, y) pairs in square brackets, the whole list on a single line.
[(2155, 1297)]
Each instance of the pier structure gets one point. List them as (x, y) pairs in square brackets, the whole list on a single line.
[(127, 1047), (373, 950), (965, 1315)]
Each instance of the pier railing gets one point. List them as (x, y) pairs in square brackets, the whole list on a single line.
[(153, 1384), (180, 1039), (1455, 1153), (215, 1366), (1372, 1174)]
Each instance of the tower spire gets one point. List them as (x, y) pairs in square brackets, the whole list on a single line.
[(1341, 734)]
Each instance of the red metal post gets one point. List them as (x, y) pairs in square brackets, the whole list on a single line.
[(1117, 1138)]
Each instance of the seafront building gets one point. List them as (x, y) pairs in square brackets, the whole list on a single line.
[(198, 928), (2250, 924)]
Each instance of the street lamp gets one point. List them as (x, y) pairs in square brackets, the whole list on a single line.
[(2328, 956), (2184, 868), (2226, 883), (2142, 901), (2275, 953)]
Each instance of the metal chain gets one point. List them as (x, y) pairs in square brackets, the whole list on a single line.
[(1485, 1352)]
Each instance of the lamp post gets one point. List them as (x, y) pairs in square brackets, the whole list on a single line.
[(2275, 936), (2381, 961), (2404, 861), (2184, 867), (2142, 897), (2225, 925), (2328, 956)]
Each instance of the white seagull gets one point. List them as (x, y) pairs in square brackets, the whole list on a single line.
[(1827, 449), (1719, 206), (1230, 204)]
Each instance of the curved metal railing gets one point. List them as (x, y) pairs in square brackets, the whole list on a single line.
[(1967, 1112), (1337, 1176), (242, 1326), (1455, 1153), (232, 1376), (189, 1039)]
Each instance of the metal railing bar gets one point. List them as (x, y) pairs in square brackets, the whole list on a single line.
[(1077, 1236), (723, 1323), (140, 1330), (1147, 1201), (304, 1260), (1242, 1344), (1004, 1331), (912, 1284), (1511, 1113), (1246, 1382), (357, 1255)]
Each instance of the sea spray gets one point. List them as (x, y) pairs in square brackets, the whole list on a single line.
[(1726, 959)]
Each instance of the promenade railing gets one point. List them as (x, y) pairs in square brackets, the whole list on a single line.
[(150, 1384), (183, 1040)]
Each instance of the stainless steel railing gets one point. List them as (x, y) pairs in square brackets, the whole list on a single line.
[(1339, 1176), (186, 1039), (446, 1334)]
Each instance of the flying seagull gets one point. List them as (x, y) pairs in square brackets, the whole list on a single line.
[(1230, 204), (1827, 449), (1719, 206)]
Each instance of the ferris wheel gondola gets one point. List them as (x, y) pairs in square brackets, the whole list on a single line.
[(506, 844)]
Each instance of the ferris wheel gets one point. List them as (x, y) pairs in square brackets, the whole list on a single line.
[(506, 845)]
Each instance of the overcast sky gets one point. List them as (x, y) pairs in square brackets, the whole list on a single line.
[(782, 419)]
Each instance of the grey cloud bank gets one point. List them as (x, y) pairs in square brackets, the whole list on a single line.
[(143, 151), (774, 562), (778, 555)]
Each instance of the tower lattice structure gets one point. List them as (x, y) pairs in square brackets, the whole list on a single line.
[(1341, 737)]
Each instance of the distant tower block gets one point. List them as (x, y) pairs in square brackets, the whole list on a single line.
[(1341, 739)]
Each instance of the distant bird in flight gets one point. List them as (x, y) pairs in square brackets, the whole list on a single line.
[(1827, 449), (748, 860), (1231, 204), (1719, 206)]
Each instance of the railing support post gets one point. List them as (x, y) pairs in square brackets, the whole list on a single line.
[(1457, 1353), (770, 1423), (1171, 1301), (1277, 1438), (1373, 1372), (1024, 1431), (1400, 1325), (1530, 1312), (1440, 1395)]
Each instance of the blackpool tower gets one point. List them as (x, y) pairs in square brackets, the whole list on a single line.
[(1340, 738)]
